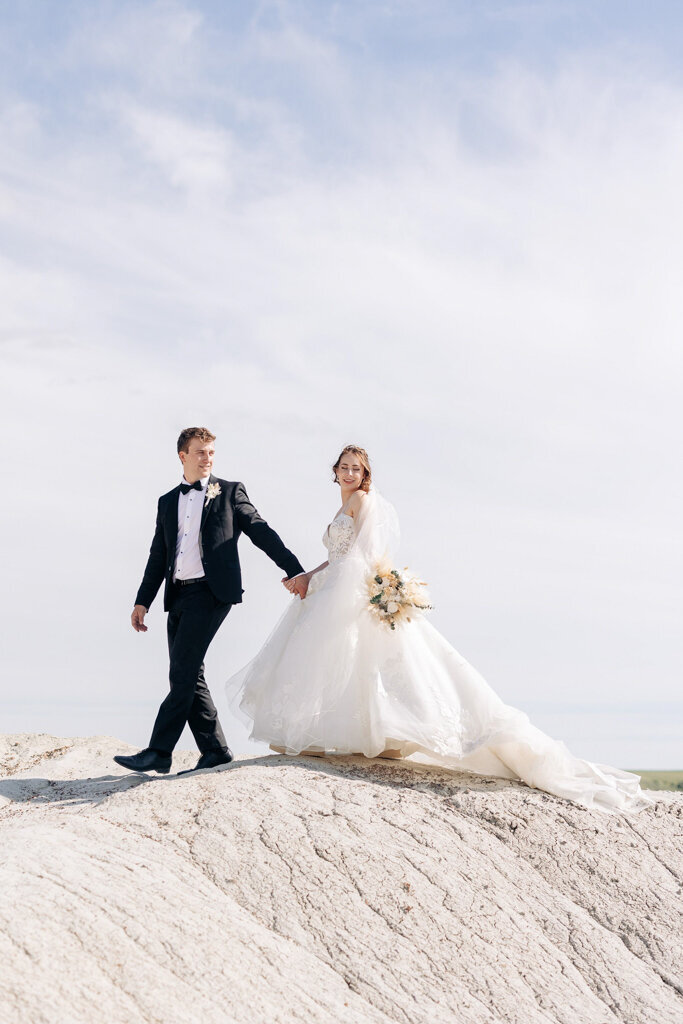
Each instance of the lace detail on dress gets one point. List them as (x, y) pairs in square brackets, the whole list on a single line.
[(339, 537)]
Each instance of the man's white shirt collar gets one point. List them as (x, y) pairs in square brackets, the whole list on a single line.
[(204, 481)]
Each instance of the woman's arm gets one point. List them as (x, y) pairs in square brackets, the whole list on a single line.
[(323, 565), (354, 507)]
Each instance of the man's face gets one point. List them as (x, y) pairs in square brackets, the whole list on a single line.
[(197, 460)]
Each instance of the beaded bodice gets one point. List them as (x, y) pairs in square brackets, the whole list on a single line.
[(339, 536)]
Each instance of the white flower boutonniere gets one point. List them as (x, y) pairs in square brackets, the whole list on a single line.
[(212, 491)]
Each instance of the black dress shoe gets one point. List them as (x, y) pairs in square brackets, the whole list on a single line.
[(146, 761), (211, 759)]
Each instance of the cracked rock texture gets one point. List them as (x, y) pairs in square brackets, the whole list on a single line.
[(285, 889)]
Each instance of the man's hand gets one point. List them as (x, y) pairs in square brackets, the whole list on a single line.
[(299, 584), (138, 618)]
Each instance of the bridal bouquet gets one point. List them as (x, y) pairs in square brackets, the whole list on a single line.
[(394, 597)]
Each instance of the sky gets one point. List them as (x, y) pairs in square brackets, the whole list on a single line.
[(450, 232)]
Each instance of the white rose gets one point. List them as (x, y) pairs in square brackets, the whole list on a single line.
[(392, 607)]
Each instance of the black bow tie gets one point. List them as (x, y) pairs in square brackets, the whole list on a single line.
[(186, 488)]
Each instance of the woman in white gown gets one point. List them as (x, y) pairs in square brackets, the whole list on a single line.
[(332, 678)]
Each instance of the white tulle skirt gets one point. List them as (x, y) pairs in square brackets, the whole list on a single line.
[(332, 678)]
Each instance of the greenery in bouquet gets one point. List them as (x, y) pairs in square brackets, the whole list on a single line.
[(396, 597)]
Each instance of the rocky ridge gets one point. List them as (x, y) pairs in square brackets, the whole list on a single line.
[(283, 889)]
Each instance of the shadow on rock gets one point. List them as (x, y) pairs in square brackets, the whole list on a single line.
[(379, 772), (69, 791)]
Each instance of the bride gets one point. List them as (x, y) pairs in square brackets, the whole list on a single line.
[(334, 678)]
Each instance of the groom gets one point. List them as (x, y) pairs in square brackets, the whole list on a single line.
[(194, 551)]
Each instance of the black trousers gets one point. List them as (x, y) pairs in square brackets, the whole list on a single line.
[(193, 621)]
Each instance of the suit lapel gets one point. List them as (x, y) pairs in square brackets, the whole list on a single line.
[(172, 519), (206, 511)]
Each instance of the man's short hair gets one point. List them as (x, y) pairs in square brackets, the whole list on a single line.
[(188, 433)]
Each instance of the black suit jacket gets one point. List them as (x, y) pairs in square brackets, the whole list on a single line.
[(223, 520)]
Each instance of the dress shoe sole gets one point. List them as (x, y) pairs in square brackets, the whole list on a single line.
[(207, 768), (143, 771)]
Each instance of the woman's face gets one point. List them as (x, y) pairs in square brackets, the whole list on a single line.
[(350, 472)]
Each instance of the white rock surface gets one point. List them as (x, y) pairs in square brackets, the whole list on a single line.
[(298, 889)]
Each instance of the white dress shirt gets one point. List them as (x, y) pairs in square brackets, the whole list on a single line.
[(188, 562)]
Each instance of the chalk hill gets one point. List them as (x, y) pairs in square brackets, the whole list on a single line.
[(343, 890)]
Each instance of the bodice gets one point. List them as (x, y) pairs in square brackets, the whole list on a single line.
[(339, 536)]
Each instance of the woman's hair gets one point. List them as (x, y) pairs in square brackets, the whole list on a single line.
[(363, 458)]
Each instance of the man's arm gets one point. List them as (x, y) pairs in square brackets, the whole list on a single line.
[(155, 570), (262, 535)]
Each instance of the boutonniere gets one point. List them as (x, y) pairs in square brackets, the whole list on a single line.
[(212, 491)]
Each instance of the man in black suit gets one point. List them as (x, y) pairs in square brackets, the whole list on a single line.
[(194, 551)]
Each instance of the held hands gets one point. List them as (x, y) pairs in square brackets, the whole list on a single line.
[(137, 619), (298, 585)]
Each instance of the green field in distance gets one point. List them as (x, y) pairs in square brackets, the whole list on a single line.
[(659, 780)]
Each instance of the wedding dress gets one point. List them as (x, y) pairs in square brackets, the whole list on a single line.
[(332, 677)]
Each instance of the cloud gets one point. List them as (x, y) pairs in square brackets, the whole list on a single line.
[(191, 157)]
